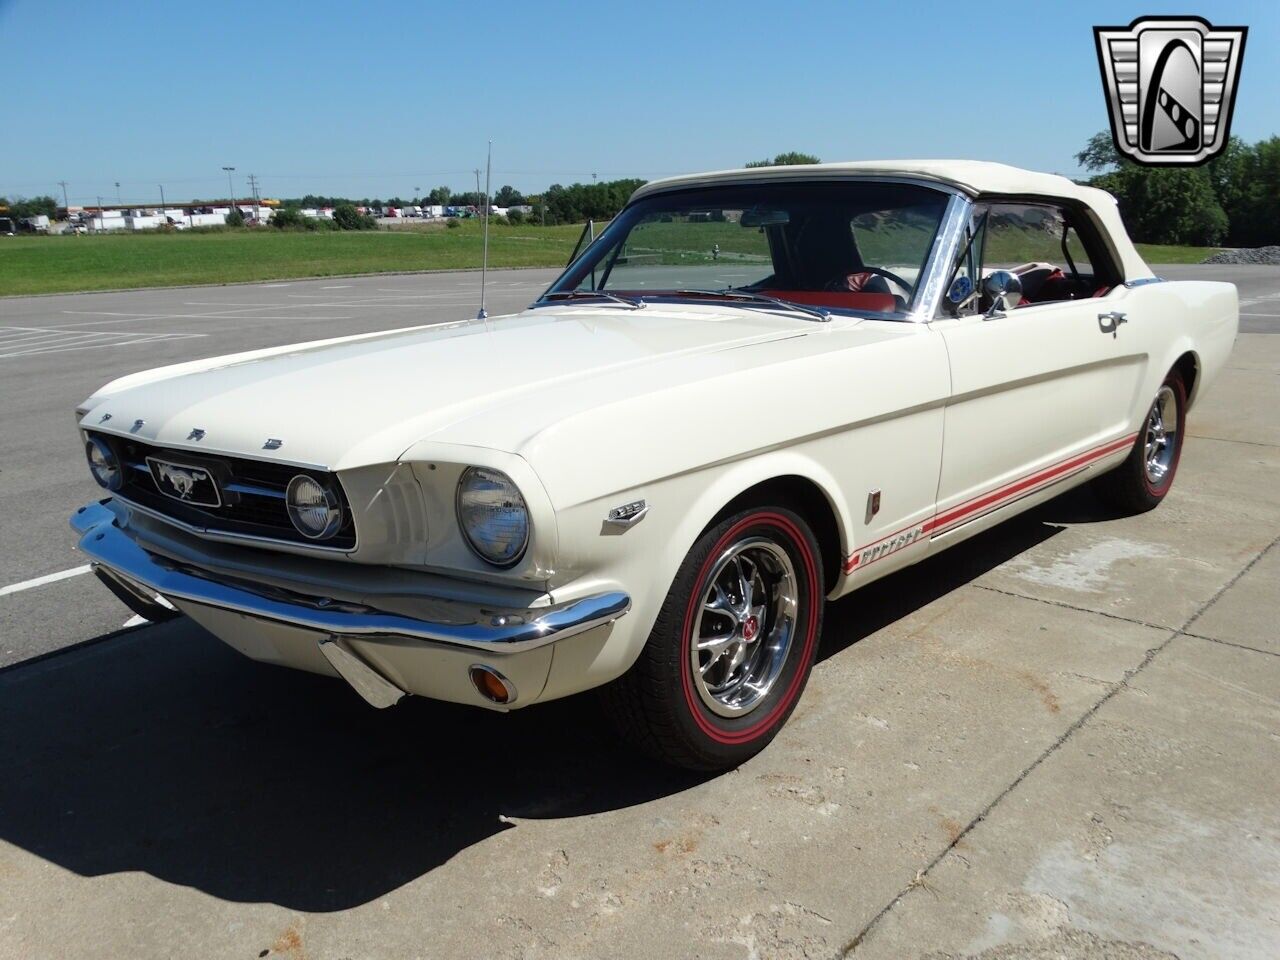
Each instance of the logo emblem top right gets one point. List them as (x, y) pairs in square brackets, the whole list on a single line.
[(1171, 87)]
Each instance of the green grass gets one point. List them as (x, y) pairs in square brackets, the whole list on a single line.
[(56, 264), (1167, 253)]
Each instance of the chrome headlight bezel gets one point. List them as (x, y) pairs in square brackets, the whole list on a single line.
[(109, 463), (328, 500), (503, 559)]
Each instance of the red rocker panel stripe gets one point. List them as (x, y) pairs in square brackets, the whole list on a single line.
[(966, 511)]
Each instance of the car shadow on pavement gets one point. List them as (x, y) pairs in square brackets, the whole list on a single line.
[(161, 750)]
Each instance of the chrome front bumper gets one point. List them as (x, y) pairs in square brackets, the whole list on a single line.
[(137, 575)]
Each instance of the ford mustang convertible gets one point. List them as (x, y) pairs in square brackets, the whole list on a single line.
[(755, 391)]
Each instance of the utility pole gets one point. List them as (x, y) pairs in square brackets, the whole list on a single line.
[(230, 189), (253, 185), (66, 204)]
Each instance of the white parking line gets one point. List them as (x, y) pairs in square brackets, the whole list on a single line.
[(41, 581), (33, 341)]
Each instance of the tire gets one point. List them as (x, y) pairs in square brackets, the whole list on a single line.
[(1146, 476), (717, 713)]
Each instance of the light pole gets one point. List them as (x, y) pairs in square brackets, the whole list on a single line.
[(163, 206), (119, 202), (230, 189), (66, 204)]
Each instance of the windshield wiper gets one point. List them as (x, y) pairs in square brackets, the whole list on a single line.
[(627, 302), (750, 296)]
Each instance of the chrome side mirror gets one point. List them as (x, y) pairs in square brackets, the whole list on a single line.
[(1004, 289)]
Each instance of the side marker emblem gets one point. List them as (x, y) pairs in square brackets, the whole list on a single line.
[(627, 514)]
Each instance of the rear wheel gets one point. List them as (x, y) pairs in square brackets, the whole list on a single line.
[(732, 647), (1141, 482)]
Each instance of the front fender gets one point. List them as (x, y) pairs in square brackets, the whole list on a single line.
[(646, 557)]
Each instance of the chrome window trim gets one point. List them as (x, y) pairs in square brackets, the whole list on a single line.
[(936, 269), (1142, 281), (239, 538)]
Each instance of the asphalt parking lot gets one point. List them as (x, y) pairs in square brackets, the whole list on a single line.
[(1059, 739)]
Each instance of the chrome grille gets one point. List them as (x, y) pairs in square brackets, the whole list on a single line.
[(253, 493)]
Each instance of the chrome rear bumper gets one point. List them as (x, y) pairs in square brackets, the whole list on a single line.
[(136, 576)]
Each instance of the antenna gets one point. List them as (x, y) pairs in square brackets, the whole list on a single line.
[(484, 264)]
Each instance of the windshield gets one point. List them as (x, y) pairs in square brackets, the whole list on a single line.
[(837, 246)]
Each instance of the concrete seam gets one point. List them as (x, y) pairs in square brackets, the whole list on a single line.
[(1228, 643), (1250, 443), (852, 945), (1070, 606)]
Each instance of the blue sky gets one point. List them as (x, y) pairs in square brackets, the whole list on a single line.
[(377, 98)]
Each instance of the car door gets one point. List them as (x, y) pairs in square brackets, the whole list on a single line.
[(1039, 391)]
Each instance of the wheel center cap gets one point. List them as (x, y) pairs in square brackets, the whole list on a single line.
[(750, 627)]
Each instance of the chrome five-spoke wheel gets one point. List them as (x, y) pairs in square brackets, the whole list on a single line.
[(1161, 439), (745, 627)]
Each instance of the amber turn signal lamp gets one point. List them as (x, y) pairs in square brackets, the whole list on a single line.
[(492, 685)]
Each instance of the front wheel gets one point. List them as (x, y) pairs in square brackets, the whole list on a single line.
[(732, 647), (1141, 482)]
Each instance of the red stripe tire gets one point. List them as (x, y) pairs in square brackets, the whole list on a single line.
[(732, 647), (1146, 476)]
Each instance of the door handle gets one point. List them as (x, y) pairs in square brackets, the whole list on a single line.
[(1110, 322)]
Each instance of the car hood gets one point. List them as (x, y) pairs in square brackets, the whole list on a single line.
[(366, 399)]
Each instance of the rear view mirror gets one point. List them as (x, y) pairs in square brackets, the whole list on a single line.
[(765, 218)]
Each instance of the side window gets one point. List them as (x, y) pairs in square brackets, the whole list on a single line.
[(1038, 243), (1077, 252), (1019, 234)]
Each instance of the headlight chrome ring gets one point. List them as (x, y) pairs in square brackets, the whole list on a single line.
[(103, 464), (493, 516), (314, 508)]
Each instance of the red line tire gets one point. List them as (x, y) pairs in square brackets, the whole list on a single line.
[(1131, 487), (659, 705)]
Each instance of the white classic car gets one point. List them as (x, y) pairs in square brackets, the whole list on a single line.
[(755, 391)]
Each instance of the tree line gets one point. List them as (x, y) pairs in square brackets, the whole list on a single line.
[(1233, 199)]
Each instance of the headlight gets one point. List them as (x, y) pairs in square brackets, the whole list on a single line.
[(103, 464), (492, 515), (313, 508)]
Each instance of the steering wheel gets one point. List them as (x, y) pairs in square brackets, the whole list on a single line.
[(888, 274)]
